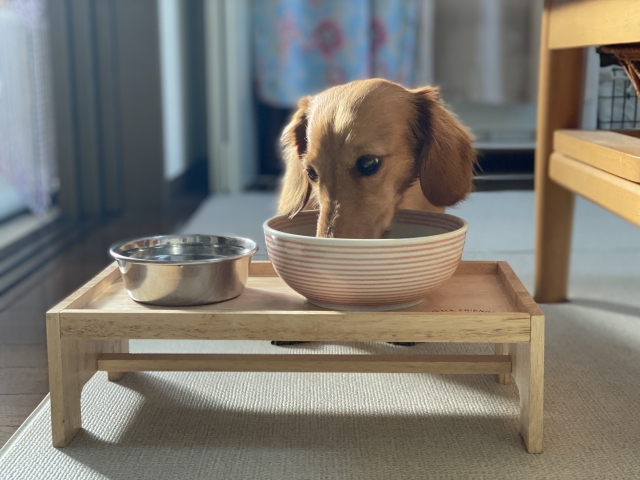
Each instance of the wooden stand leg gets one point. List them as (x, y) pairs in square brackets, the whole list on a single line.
[(64, 384), (117, 376), (503, 349), (71, 364), (528, 373), (559, 106)]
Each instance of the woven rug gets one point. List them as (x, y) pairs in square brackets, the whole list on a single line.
[(379, 426)]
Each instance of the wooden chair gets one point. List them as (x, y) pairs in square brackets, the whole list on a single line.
[(603, 166)]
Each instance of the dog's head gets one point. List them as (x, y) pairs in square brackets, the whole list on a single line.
[(353, 150)]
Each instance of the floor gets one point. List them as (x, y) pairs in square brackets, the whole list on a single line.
[(23, 357)]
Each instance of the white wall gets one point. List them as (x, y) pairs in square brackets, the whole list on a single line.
[(173, 73)]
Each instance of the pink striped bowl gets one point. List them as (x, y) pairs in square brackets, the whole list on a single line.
[(422, 253)]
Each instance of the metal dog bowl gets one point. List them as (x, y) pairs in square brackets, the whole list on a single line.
[(181, 270)]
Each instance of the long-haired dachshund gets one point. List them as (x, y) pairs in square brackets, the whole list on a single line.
[(360, 151)]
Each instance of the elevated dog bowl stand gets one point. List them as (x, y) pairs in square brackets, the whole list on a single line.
[(484, 302)]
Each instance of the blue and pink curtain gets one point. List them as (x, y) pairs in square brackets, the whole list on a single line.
[(305, 46)]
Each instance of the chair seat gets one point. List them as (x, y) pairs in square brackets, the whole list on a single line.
[(613, 152), (612, 192)]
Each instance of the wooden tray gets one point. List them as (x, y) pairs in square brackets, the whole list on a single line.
[(484, 302)]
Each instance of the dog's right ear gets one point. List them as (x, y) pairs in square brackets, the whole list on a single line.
[(445, 152), (296, 188)]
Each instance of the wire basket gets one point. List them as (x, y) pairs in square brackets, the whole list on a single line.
[(617, 100)]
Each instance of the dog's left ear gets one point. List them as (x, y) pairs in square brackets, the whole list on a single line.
[(444, 150), (296, 188)]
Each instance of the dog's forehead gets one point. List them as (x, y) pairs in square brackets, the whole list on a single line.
[(358, 111)]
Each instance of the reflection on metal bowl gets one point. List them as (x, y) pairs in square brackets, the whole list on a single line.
[(182, 270)]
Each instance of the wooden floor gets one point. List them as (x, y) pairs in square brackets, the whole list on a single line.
[(23, 353)]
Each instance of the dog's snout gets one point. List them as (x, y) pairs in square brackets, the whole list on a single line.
[(336, 224)]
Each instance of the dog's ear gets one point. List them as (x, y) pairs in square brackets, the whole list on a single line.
[(296, 187), (444, 150)]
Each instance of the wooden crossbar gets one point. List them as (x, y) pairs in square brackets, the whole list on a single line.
[(441, 364)]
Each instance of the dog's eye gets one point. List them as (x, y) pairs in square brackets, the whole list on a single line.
[(367, 166), (312, 174)]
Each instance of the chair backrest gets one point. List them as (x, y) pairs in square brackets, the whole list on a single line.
[(583, 23)]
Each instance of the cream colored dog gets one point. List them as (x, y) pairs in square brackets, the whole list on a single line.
[(358, 152)]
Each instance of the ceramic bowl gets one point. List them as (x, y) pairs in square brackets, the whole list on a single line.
[(421, 253)]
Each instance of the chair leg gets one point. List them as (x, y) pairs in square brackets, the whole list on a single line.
[(559, 106), (554, 222)]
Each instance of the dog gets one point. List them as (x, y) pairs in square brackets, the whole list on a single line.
[(360, 151)]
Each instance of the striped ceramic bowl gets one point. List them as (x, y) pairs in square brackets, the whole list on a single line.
[(422, 252)]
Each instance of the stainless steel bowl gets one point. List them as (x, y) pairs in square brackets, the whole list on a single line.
[(181, 270)]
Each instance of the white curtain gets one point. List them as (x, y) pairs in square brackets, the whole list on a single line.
[(26, 125), (483, 51)]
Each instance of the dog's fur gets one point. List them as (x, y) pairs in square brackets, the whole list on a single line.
[(427, 157)]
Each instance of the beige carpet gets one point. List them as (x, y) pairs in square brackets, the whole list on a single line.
[(378, 426)]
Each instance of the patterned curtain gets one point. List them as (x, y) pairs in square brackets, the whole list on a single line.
[(306, 46), (476, 50), (26, 120)]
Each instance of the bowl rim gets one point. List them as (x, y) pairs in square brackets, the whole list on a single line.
[(252, 248), (367, 241)]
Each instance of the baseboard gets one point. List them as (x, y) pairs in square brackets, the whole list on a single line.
[(501, 182)]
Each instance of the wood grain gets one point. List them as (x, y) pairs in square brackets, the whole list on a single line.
[(523, 301), (559, 106), (609, 151), (483, 303), (443, 364), (517, 291), (503, 349), (261, 269), (580, 23), (71, 362), (14, 356), (6, 432), (15, 408), (528, 373), (617, 195), (302, 326), (116, 376), (483, 293), (21, 380), (629, 133), (270, 310)]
